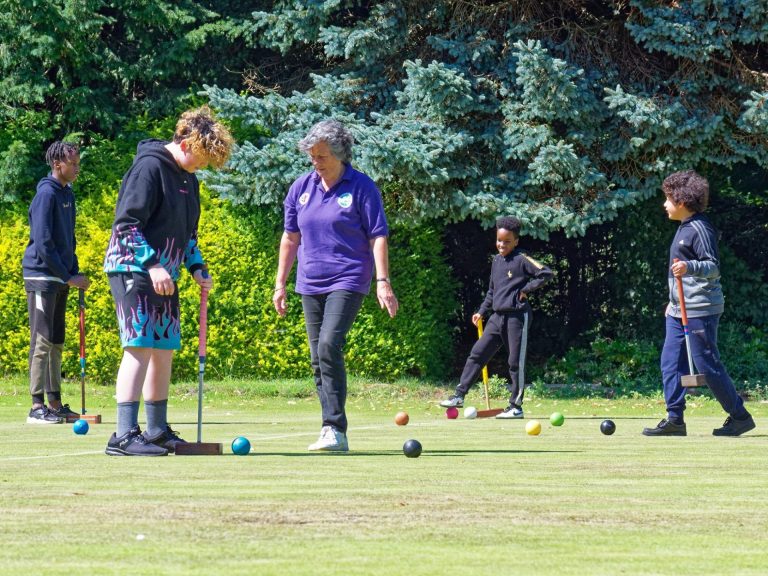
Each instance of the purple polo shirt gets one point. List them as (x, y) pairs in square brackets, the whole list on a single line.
[(336, 229)]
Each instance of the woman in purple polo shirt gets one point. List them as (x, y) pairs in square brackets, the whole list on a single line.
[(335, 223)]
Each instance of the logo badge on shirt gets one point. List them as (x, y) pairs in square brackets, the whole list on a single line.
[(345, 200), (304, 198)]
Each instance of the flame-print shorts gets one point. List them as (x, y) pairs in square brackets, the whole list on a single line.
[(145, 318)]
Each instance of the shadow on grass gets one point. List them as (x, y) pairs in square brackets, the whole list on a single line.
[(234, 422), (399, 453)]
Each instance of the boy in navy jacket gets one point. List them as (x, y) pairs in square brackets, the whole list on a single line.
[(693, 257), (514, 275), (50, 267)]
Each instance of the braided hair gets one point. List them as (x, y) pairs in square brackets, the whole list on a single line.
[(60, 152)]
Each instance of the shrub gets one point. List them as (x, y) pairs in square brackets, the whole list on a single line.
[(246, 338), (617, 367)]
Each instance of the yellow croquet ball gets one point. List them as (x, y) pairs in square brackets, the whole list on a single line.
[(533, 428)]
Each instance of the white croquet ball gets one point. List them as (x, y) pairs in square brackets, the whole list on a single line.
[(470, 412)]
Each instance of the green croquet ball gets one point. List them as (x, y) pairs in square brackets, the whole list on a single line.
[(241, 446), (80, 426), (412, 448), (557, 419), (607, 427)]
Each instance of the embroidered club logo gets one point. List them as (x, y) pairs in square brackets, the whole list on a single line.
[(345, 200), (304, 198)]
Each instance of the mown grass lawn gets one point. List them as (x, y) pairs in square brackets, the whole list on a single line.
[(484, 498)]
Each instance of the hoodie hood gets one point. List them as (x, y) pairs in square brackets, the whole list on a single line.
[(155, 148), (53, 184)]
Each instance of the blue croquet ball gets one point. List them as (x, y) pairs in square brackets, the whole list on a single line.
[(607, 427), (412, 448), (80, 426), (241, 446)]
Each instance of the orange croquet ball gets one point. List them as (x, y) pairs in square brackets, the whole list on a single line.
[(401, 418)]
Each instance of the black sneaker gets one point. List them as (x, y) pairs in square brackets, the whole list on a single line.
[(65, 412), (167, 439), (733, 427), (666, 428), (42, 416), (132, 443)]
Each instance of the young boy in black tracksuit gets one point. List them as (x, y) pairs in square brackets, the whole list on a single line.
[(514, 275), (49, 268), (693, 257)]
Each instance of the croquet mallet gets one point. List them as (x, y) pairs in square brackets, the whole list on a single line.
[(692, 380), (488, 412), (90, 418), (201, 448)]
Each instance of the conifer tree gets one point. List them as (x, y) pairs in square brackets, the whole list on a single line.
[(561, 113)]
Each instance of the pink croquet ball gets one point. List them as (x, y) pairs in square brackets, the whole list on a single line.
[(452, 413)]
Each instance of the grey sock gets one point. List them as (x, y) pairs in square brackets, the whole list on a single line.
[(127, 416), (157, 416)]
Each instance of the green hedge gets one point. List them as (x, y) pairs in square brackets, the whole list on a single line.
[(246, 338)]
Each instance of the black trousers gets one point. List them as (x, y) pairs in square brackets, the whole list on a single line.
[(46, 341), (508, 330), (329, 318)]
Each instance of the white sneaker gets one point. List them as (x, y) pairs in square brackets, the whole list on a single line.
[(510, 412), (453, 401), (330, 440)]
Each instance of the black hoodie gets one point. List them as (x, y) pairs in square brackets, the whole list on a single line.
[(158, 209), (50, 253)]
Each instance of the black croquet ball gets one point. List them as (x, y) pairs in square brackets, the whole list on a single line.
[(412, 448), (607, 427)]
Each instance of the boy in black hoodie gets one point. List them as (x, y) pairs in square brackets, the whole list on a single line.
[(50, 267), (514, 275), (154, 233)]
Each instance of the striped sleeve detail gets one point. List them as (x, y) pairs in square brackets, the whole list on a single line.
[(707, 266), (533, 262)]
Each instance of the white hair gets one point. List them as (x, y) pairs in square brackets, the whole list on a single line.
[(335, 134)]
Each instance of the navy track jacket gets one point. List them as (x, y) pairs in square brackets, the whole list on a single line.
[(695, 243)]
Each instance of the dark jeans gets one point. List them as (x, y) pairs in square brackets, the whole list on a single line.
[(509, 330), (329, 318), (706, 360)]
